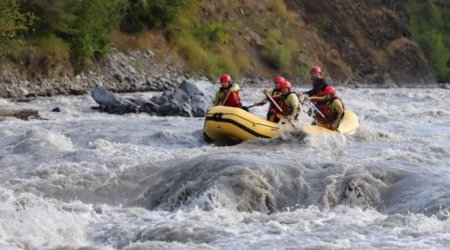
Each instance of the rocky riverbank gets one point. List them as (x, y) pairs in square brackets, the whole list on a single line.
[(370, 46), (133, 72), (119, 72)]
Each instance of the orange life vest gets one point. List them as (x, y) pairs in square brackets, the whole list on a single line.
[(233, 100), (325, 108), (276, 95), (286, 110)]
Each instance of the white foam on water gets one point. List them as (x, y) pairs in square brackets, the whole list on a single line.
[(38, 138), (84, 178), (310, 228), (29, 221)]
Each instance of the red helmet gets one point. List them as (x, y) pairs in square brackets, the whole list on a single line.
[(279, 80), (285, 85), (225, 78), (315, 70), (330, 90)]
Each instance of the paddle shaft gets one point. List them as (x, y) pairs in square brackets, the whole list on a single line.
[(321, 114), (271, 100), (313, 106), (250, 106), (317, 110), (224, 100)]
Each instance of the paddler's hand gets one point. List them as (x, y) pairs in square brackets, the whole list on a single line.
[(334, 126)]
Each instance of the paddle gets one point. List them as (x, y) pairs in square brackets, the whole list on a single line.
[(247, 107), (311, 105), (316, 109), (226, 98), (271, 100)]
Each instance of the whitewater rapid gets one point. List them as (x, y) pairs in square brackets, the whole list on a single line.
[(84, 179)]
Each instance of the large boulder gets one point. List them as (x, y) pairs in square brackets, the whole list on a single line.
[(190, 99)]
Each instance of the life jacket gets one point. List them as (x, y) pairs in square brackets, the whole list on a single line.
[(234, 98), (284, 107), (276, 95), (325, 108)]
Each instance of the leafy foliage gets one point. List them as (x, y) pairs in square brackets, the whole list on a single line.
[(279, 52), (91, 36), (12, 22), (83, 25), (211, 33), (200, 31), (151, 13), (53, 16), (430, 26)]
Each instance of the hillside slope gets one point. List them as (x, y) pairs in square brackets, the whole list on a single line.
[(366, 41), (370, 36), (363, 41)]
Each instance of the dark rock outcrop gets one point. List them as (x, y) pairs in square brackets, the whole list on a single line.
[(190, 99), (371, 36)]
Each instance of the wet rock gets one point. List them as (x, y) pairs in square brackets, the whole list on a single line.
[(352, 191), (119, 77), (190, 99)]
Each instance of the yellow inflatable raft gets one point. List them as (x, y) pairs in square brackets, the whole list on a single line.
[(233, 125), (348, 126)]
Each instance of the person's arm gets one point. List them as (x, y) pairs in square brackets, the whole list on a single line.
[(234, 87), (292, 101), (309, 92), (317, 98), (337, 107)]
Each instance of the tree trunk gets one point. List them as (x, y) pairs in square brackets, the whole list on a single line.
[(20, 113)]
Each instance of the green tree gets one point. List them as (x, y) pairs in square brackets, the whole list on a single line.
[(91, 31), (430, 27), (151, 13), (12, 22), (85, 25), (53, 16)]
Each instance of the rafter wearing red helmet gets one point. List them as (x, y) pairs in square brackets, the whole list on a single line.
[(276, 96), (318, 83), (228, 94), (331, 109), (290, 104)]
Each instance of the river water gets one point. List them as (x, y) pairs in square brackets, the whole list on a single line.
[(103, 181)]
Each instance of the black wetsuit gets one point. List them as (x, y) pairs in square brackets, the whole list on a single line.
[(319, 84)]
